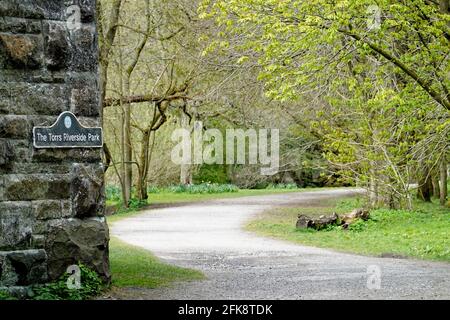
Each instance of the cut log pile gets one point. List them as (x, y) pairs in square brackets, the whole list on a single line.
[(323, 221)]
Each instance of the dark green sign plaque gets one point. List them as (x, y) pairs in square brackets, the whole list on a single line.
[(67, 132)]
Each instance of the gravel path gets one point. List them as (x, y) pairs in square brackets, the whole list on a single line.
[(239, 265)]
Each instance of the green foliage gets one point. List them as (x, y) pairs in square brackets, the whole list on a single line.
[(134, 205), (203, 188), (137, 204), (113, 193), (323, 34), (91, 285), (153, 189), (332, 227), (358, 226), (114, 196), (6, 296), (373, 126), (212, 174), (282, 186)]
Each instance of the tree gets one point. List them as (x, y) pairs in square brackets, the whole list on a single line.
[(383, 82), (443, 180), (150, 62)]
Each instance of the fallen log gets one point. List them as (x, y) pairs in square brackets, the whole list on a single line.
[(353, 216), (323, 221), (304, 222)]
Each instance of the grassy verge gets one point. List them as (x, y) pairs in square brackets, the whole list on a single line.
[(135, 267), (166, 197), (422, 233)]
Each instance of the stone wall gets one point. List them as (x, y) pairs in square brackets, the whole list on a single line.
[(51, 200)]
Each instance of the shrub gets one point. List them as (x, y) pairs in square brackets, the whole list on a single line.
[(213, 173), (333, 227), (6, 296), (137, 204), (358, 226), (91, 285), (282, 186), (153, 189), (203, 188), (113, 193)]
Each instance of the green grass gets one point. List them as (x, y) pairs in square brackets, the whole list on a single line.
[(167, 197), (422, 233), (135, 267), (114, 194), (6, 296)]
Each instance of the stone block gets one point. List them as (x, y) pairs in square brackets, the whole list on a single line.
[(87, 10), (36, 187), (87, 190), (84, 101), (19, 25), (84, 97), (38, 241), (14, 127), (57, 45), (33, 99), (31, 76), (5, 97), (41, 226), (16, 225), (51, 209), (2, 187), (22, 268), (84, 49), (38, 168), (6, 153), (72, 240), (34, 9), (21, 51), (21, 154)]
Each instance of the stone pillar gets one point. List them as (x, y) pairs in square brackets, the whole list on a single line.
[(51, 200)]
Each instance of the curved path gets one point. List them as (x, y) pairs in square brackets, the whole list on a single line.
[(239, 265)]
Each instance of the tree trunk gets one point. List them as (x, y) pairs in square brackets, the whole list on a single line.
[(373, 189), (185, 168), (143, 167), (435, 183), (443, 180), (127, 147), (125, 194), (425, 187), (106, 41)]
